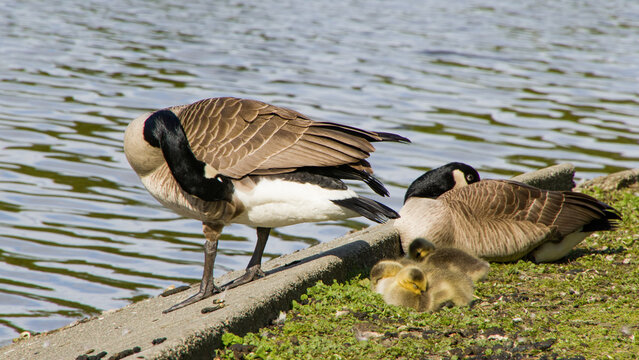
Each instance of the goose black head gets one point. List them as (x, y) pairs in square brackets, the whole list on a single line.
[(435, 182)]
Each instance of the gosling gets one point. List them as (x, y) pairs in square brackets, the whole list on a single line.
[(445, 287), (407, 288), (424, 253), (383, 274)]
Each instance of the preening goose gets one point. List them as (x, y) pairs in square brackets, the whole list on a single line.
[(498, 220), (230, 160), (425, 254)]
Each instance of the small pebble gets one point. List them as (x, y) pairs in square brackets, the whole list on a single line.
[(158, 341), (209, 309), (626, 330), (281, 319), (124, 353), (174, 290), (544, 345), (23, 336), (98, 356)]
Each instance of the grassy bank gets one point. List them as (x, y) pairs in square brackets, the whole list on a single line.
[(584, 307)]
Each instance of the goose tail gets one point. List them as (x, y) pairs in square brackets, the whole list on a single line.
[(368, 208)]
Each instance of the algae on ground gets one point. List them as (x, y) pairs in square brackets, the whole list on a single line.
[(585, 306)]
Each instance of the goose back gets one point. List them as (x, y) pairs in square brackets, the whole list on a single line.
[(238, 137), (503, 220)]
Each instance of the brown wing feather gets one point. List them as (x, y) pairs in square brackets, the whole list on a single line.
[(507, 217), (495, 238), (239, 137)]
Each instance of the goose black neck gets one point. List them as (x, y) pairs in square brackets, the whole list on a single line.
[(437, 181), (164, 130), (431, 184)]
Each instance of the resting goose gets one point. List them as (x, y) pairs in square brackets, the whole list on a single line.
[(498, 220), (230, 160), (427, 256)]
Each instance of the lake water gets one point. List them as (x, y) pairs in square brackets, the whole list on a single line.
[(508, 87)]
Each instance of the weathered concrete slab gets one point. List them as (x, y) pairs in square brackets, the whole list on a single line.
[(193, 335), (616, 181), (557, 177)]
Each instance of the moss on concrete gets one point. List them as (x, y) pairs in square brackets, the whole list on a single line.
[(583, 307)]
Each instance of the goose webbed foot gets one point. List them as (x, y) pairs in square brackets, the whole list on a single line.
[(252, 273), (207, 285), (201, 295)]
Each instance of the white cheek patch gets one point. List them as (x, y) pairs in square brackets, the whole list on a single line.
[(210, 172), (460, 179)]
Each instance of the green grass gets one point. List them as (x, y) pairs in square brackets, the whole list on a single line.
[(583, 307)]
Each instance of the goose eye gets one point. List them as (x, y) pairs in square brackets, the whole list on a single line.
[(469, 178)]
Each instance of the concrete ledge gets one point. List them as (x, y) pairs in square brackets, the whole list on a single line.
[(192, 335), (616, 181), (556, 177)]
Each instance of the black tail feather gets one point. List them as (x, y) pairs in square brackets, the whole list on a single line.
[(350, 173), (392, 137), (371, 136), (604, 216), (368, 208), (609, 220)]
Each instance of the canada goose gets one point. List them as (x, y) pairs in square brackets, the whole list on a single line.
[(498, 220), (424, 252), (446, 286), (230, 160), (406, 288)]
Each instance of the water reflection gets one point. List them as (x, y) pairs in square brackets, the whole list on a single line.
[(508, 87)]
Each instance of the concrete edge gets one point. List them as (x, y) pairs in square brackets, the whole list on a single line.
[(615, 181), (556, 177), (192, 335)]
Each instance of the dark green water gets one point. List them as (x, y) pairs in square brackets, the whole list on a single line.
[(507, 87)]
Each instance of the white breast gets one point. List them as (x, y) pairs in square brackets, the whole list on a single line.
[(423, 218), (276, 202)]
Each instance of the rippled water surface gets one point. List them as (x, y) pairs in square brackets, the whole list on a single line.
[(505, 86)]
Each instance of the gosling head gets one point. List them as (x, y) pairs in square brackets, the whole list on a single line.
[(419, 249), (412, 279), (437, 181)]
